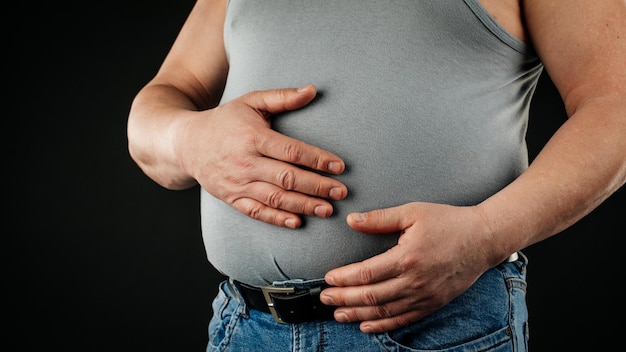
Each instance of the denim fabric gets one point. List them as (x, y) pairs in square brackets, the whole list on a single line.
[(491, 316)]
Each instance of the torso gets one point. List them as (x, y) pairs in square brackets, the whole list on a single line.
[(425, 101)]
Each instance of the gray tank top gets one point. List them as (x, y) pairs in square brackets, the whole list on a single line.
[(424, 100)]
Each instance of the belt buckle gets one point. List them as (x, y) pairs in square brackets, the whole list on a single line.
[(270, 303)]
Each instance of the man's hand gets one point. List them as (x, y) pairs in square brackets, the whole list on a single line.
[(235, 155), (438, 256)]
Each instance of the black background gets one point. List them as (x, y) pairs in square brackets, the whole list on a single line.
[(100, 258)]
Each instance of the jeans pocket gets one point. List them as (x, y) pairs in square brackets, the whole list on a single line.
[(497, 341), (478, 320), (223, 322)]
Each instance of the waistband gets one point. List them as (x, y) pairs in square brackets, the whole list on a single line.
[(294, 301)]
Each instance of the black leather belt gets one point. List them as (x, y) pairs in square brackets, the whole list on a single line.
[(287, 304)]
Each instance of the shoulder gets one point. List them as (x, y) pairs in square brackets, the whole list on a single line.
[(581, 43)]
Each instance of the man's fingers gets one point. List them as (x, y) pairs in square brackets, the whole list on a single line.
[(282, 180), (370, 271), (278, 146), (278, 198), (379, 221), (385, 288), (292, 178), (279, 100), (382, 311), (395, 322), (264, 213), (389, 308), (281, 147)]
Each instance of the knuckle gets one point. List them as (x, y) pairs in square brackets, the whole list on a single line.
[(282, 94), (368, 297), (249, 137), (293, 153), (319, 189), (355, 315), (276, 220), (383, 311), (243, 163), (317, 162), (275, 199), (407, 263), (402, 320), (287, 179), (297, 207), (378, 214), (253, 211), (364, 275), (233, 191)]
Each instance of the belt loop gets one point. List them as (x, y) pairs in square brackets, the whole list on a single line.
[(234, 290), (316, 292), (513, 257), (239, 297)]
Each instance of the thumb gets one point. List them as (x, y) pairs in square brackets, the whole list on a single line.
[(382, 221), (275, 101)]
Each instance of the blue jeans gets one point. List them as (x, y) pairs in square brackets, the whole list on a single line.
[(491, 316)]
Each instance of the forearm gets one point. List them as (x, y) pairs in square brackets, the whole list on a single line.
[(189, 81), (156, 118), (581, 166)]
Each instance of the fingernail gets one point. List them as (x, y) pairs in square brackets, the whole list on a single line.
[(290, 223), (334, 166), (341, 317), (303, 88), (366, 328), (358, 217), (335, 193), (328, 300), (321, 211)]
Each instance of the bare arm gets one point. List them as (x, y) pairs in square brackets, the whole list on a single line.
[(583, 46), (190, 79), (180, 137), (443, 249)]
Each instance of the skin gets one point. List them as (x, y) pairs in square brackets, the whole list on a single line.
[(180, 138)]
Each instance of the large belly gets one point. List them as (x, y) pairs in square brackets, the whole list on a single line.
[(395, 153), (390, 104)]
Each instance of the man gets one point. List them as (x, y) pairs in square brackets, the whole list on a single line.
[(393, 196)]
